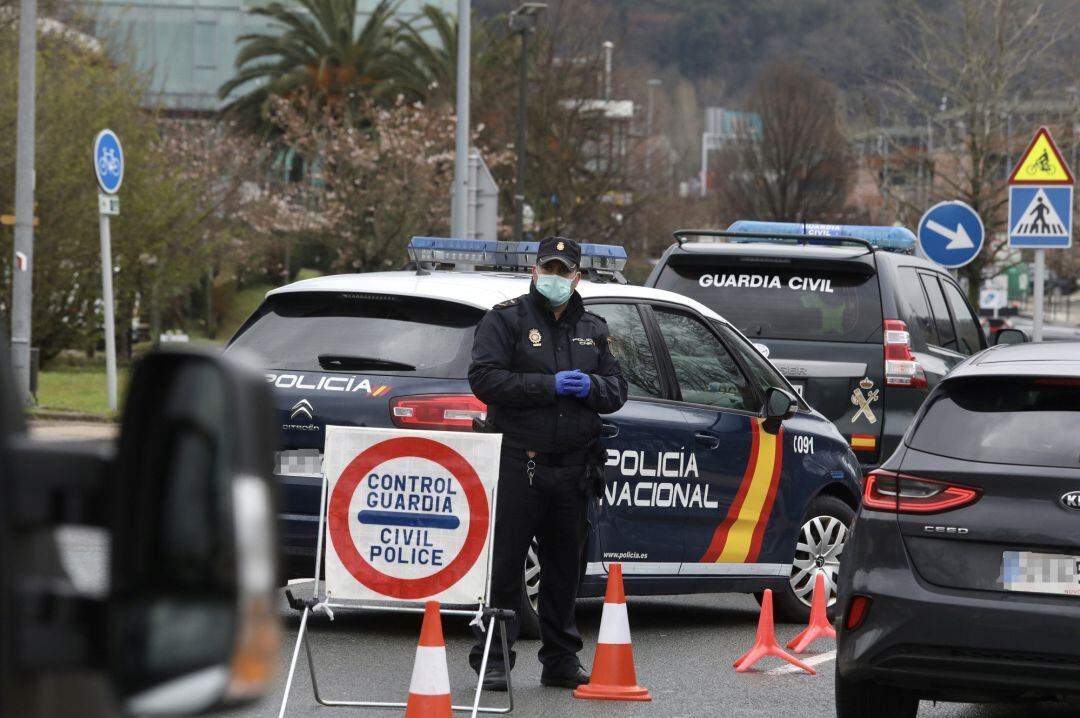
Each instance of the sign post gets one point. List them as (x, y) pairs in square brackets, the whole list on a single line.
[(109, 170), (1040, 209), (405, 517), (951, 234)]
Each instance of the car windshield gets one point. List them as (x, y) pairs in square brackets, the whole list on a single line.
[(1004, 421), (783, 301), (346, 331)]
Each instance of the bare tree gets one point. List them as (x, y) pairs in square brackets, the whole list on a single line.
[(790, 160), (973, 68)]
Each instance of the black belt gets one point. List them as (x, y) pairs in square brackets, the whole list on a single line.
[(570, 458)]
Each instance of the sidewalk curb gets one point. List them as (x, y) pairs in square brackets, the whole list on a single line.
[(71, 416)]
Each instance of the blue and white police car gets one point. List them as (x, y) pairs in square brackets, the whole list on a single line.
[(719, 477)]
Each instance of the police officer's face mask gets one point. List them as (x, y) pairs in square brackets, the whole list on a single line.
[(556, 289)]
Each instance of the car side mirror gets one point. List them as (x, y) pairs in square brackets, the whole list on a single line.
[(192, 617), (779, 405), (1010, 336)]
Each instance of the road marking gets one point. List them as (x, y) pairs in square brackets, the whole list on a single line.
[(811, 661)]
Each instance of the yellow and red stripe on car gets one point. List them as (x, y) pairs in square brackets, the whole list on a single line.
[(738, 538), (379, 391)]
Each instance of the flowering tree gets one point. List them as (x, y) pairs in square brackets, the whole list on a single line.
[(376, 176)]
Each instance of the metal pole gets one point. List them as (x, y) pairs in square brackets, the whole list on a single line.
[(704, 162), (609, 47), (1040, 270), (519, 189), (22, 279), (458, 217), (107, 298)]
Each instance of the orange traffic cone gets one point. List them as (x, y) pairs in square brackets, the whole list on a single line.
[(429, 689), (613, 676), (819, 619), (765, 641)]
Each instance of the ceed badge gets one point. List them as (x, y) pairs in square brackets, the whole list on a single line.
[(863, 401), (534, 337)]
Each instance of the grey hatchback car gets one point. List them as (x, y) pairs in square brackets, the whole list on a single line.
[(961, 578)]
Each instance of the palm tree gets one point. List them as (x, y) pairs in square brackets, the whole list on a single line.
[(318, 51), (427, 48)]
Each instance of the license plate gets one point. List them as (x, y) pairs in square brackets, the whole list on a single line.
[(299, 462), (798, 387), (1030, 572)]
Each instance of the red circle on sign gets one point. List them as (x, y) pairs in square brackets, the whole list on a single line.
[(359, 468)]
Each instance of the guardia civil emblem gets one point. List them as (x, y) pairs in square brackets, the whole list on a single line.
[(863, 401), (534, 337), (560, 246)]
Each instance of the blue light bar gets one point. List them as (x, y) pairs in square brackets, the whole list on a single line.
[(505, 255), (896, 239)]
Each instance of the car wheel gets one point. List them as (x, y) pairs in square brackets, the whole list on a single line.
[(820, 542), (528, 615), (866, 699)]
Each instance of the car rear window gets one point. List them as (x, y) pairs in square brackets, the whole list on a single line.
[(783, 300), (1004, 421), (291, 331)]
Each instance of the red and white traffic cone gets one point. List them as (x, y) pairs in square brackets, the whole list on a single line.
[(819, 619), (765, 642), (429, 689), (613, 676)]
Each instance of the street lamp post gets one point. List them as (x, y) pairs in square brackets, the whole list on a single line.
[(522, 22), (653, 83)]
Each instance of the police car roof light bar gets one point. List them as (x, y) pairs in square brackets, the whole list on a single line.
[(894, 239), (519, 256)]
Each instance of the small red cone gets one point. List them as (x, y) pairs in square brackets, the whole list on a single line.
[(765, 641), (819, 619), (429, 689), (613, 676)]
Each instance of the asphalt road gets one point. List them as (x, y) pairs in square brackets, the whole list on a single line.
[(683, 649)]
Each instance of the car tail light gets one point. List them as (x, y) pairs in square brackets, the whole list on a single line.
[(901, 369), (900, 493), (856, 612), (453, 412)]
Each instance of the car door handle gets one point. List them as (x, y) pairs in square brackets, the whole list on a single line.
[(608, 430), (709, 441)]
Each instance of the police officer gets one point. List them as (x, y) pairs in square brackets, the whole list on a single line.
[(541, 363)]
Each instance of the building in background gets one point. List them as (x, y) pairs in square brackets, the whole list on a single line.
[(188, 47)]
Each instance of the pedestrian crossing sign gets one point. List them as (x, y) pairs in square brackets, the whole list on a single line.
[(1041, 163), (1040, 217)]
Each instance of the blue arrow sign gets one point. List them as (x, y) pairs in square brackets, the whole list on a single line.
[(108, 161), (951, 234)]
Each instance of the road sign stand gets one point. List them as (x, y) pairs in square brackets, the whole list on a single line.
[(323, 603), (1040, 271), (109, 171), (107, 295), (1040, 209)]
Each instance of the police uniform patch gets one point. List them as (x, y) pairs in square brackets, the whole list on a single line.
[(560, 246), (534, 337)]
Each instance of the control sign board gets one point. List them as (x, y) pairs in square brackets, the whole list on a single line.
[(1041, 197), (410, 514)]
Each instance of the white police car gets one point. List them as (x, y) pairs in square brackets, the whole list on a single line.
[(704, 491)]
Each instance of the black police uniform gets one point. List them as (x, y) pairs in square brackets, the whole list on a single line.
[(543, 486)]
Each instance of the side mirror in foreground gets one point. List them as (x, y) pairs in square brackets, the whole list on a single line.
[(192, 612), (1010, 336), (779, 405)]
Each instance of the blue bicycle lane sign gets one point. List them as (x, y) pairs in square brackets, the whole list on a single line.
[(951, 234), (108, 161)]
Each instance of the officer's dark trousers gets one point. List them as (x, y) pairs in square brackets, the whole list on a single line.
[(553, 509)]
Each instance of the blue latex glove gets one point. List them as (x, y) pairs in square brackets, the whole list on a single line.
[(586, 385), (568, 383)]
